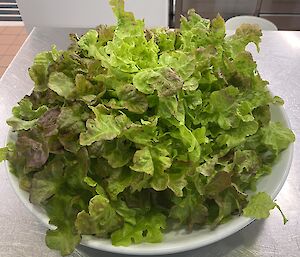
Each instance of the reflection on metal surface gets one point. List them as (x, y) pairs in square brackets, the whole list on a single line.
[(292, 39)]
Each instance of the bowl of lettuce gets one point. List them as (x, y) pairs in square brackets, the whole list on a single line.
[(149, 141)]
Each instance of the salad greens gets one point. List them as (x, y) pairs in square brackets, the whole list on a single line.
[(132, 131)]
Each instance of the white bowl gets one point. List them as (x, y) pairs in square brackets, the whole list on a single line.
[(234, 22), (179, 241)]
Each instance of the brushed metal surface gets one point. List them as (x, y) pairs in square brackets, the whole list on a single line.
[(280, 6), (22, 235)]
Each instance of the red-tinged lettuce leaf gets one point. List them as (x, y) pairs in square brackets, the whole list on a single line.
[(181, 62), (71, 122), (164, 38), (64, 173), (48, 122), (218, 183), (247, 161), (33, 149), (189, 209), (164, 80), (106, 33), (217, 30), (230, 201), (244, 35)]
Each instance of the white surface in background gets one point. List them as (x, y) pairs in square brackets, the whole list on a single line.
[(88, 13)]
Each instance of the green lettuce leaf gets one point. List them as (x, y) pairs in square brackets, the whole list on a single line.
[(3, 153), (276, 137), (100, 220), (90, 45), (132, 100), (62, 212), (184, 208), (117, 152), (39, 71), (86, 91), (245, 34), (147, 229), (142, 161), (61, 84), (103, 127), (259, 206), (24, 116)]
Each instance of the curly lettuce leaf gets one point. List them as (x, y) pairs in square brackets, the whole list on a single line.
[(148, 229), (39, 71), (142, 161), (47, 182), (62, 212), (165, 81), (244, 35), (277, 137), (24, 116), (61, 84), (117, 152), (32, 149), (103, 127), (259, 206), (183, 209), (100, 220), (131, 99), (87, 91), (71, 122)]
